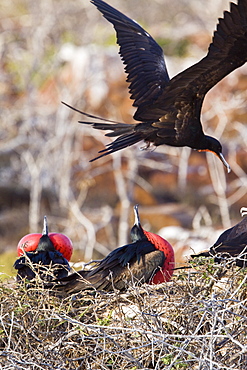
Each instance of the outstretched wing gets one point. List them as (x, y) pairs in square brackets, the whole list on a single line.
[(227, 52), (143, 57)]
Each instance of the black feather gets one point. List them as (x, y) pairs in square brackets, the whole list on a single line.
[(173, 105), (45, 262)]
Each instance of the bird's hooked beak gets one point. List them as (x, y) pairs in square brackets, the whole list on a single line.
[(219, 155), (137, 232), (225, 163), (45, 242), (45, 227), (137, 218)]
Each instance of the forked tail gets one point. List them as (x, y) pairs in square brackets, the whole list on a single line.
[(126, 132)]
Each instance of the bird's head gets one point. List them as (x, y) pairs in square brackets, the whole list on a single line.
[(137, 232), (214, 146), (45, 243)]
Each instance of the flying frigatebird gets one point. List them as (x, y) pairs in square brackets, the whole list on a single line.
[(169, 110)]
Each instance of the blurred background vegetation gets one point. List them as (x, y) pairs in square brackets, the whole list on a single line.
[(53, 51)]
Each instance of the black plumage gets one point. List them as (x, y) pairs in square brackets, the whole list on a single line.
[(138, 261), (45, 263), (169, 110), (231, 243)]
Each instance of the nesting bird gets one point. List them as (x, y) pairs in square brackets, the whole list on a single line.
[(169, 110), (40, 258), (148, 259), (231, 243)]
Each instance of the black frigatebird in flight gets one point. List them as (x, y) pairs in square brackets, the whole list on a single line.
[(169, 110)]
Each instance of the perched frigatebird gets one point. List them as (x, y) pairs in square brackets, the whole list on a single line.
[(231, 243), (148, 259), (169, 110), (61, 243), (44, 261)]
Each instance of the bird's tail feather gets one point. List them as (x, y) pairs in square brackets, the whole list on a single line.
[(88, 115), (126, 132), (120, 143), (116, 128)]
